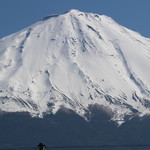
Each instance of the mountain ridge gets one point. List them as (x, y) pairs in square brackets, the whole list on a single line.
[(75, 60)]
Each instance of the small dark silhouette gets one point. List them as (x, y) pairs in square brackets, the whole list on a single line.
[(41, 146)]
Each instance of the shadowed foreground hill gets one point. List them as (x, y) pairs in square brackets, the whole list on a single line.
[(67, 128)]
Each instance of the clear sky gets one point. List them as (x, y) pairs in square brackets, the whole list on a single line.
[(18, 14)]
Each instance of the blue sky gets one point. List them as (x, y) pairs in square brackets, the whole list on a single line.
[(18, 14)]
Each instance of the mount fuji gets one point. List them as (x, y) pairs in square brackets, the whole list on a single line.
[(74, 61)]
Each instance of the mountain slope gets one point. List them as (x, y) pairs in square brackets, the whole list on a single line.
[(75, 60)]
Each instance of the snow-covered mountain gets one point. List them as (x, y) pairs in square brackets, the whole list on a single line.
[(75, 60)]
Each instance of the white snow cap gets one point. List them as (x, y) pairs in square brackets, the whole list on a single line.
[(75, 60)]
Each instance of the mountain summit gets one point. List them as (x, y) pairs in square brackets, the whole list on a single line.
[(75, 60)]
